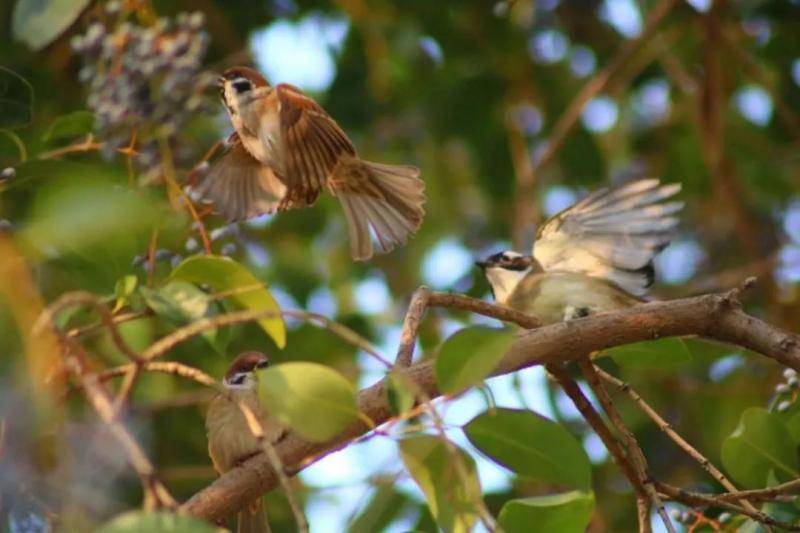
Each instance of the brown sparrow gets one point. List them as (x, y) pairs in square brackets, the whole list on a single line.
[(230, 441), (594, 256), (286, 150)]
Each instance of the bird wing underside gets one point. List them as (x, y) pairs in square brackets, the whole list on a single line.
[(612, 234)]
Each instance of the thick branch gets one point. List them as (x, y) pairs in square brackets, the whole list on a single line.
[(712, 316)]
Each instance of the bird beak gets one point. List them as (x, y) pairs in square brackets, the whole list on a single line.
[(483, 265), (220, 82)]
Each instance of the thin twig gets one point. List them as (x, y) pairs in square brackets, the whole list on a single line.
[(414, 315), (77, 298), (574, 392), (696, 499), (635, 453), (665, 426), (466, 303)]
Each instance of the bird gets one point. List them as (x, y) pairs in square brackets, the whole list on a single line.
[(230, 440), (286, 150), (594, 256)]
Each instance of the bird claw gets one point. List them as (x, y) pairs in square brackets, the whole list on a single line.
[(571, 312)]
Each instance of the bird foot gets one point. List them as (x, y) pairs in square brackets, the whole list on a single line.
[(571, 312)]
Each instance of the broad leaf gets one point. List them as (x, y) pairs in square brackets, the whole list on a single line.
[(123, 290), (468, 356), (313, 399), (155, 522), (70, 125), (759, 444), (451, 498), (384, 506), (566, 513), (181, 303), (243, 288), (659, 353), (532, 446), (38, 22)]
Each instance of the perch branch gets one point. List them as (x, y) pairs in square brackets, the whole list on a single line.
[(714, 316)]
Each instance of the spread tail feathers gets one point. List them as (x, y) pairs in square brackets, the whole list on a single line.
[(253, 518), (390, 202)]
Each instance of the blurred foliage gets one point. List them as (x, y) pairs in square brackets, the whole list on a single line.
[(470, 92)]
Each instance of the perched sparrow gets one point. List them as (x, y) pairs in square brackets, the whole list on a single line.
[(286, 150), (230, 441), (594, 256)]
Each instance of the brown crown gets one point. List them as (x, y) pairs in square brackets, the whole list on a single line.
[(245, 72), (247, 362)]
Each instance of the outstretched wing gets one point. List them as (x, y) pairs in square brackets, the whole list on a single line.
[(240, 186), (612, 234), (314, 144)]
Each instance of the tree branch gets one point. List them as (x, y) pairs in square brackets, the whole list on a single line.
[(716, 316)]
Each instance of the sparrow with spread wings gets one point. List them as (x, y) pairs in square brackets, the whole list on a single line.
[(596, 255), (286, 150)]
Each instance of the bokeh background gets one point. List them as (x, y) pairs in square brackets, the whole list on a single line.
[(479, 95)]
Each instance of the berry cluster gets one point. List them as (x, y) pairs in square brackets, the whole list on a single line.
[(787, 390), (143, 81)]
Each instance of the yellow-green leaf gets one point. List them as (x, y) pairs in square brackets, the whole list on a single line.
[(452, 496), (313, 399), (155, 522), (224, 274), (565, 513), (468, 356)]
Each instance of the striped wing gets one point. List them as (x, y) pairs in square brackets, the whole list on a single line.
[(612, 234), (240, 186), (314, 145)]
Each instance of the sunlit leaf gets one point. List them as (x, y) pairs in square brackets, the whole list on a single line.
[(661, 353), (468, 356), (239, 285), (155, 522), (566, 513), (70, 125), (759, 444), (531, 445), (123, 290), (181, 303), (38, 22), (452, 496), (313, 399)]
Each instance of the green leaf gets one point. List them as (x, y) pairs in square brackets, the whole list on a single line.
[(759, 444), (400, 393), (247, 291), (39, 22), (70, 125), (71, 215), (155, 522), (181, 303), (566, 513), (468, 356), (16, 104), (313, 399), (384, 506), (123, 290), (451, 499), (661, 353), (532, 446)]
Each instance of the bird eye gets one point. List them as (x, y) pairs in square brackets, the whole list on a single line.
[(262, 364), (242, 86)]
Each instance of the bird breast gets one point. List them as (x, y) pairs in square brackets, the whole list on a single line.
[(229, 437), (547, 295), (260, 130)]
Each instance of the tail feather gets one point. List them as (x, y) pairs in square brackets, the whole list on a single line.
[(390, 203), (253, 518)]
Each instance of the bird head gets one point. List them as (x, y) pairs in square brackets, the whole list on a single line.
[(241, 373), (238, 85), (504, 271)]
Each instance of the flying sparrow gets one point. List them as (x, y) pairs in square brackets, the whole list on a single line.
[(286, 150), (594, 256), (230, 441)]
